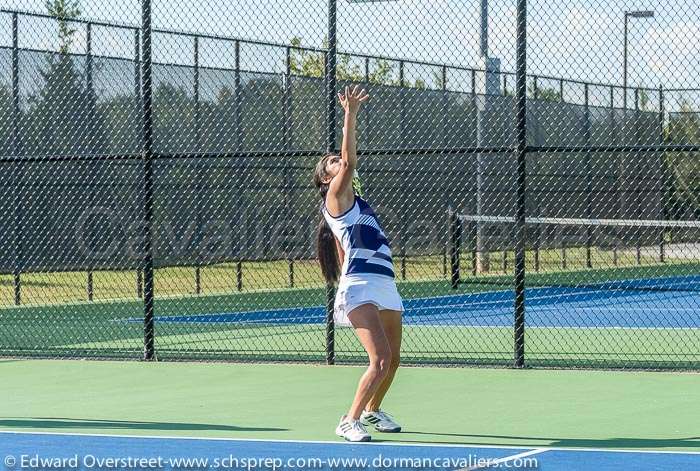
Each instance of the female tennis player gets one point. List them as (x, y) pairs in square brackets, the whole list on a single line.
[(366, 297)]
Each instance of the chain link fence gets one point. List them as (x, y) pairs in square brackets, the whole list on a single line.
[(534, 165)]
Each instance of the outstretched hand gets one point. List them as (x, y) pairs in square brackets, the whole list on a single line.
[(352, 98)]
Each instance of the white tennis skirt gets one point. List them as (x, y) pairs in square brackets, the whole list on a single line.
[(356, 290)]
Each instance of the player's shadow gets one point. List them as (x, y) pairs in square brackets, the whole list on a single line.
[(62, 423), (611, 443)]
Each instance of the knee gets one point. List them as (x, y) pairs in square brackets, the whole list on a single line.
[(381, 364)]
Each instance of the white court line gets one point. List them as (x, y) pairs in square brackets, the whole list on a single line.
[(556, 327), (492, 463), (268, 440), (429, 445)]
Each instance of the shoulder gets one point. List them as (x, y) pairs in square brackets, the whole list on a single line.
[(345, 213)]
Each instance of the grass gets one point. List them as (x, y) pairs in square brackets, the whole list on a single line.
[(57, 321)]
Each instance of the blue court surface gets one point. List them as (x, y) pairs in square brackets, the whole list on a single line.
[(585, 307), (70, 451)]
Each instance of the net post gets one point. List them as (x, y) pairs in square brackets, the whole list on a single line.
[(330, 324), (562, 247), (403, 262), (472, 238), (147, 160), (521, 99), (536, 246), (455, 242), (89, 287), (239, 275), (446, 245), (139, 283), (402, 240), (563, 256)]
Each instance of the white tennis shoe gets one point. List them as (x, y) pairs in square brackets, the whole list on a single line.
[(352, 430), (380, 420)]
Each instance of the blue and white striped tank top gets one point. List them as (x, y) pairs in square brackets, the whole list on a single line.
[(363, 240)]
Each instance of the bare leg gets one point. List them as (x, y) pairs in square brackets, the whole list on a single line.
[(368, 327), (391, 322)]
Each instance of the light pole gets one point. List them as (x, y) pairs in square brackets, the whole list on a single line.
[(628, 15)]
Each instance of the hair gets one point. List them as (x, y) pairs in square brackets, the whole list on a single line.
[(326, 249)]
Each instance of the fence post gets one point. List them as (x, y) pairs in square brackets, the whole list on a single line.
[(286, 141), (637, 231), (617, 168), (198, 173), (589, 189), (17, 168), (367, 111), (665, 175), (238, 136), (330, 81), (91, 119), (445, 102), (402, 137), (147, 158), (521, 98), (138, 106)]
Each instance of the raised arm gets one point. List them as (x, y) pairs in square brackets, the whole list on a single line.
[(340, 195)]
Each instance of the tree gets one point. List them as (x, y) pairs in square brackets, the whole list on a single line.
[(684, 129), (64, 11), (62, 112), (311, 64), (5, 120), (544, 93), (643, 100), (173, 118)]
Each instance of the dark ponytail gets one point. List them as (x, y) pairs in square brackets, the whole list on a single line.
[(327, 253), (326, 249)]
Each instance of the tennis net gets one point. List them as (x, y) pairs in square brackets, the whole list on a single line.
[(602, 254)]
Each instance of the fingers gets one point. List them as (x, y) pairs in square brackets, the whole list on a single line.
[(353, 95)]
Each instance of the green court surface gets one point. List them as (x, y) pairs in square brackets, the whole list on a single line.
[(113, 328), (557, 408)]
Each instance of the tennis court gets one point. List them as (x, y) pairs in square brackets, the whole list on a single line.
[(608, 305), (526, 172), (567, 420)]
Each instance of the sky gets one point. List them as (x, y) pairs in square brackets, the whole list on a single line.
[(579, 39)]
